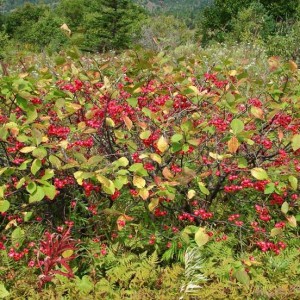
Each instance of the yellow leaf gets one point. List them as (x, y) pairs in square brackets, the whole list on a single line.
[(11, 224), (162, 144), (292, 221), (67, 253), (257, 112), (139, 182), (233, 144), (201, 237), (110, 122), (64, 144), (191, 194), (155, 157), (27, 149), (144, 193), (153, 204), (66, 29), (232, 73), (259, 174)]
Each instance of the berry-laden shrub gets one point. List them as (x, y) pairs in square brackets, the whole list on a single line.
[(157, 153)]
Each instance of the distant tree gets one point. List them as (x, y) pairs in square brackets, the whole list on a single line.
[(164, 31), (218, 19), (282, 10), (253, 23), (112, 25), (215, 20), (46, 32), (72, 11), (19, 22)]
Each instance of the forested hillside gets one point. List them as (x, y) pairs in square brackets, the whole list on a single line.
[(173, 6), (8, 5)]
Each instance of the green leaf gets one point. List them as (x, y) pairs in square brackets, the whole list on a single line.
[(270, 188), (40, 152), (237, 126), (259, 173), (242, 276), (38, 195), (94, 160), (50, 191), (55, 161), (21, 182), (132, 102), (3, 291), (145, 134), (85, 284), (49, 173), (201, 237), (293, 182), (31, 116), (31, 187), (285, 207), (27, 216), (138, 168), (110, 188), (296, 142), (4, 206), (121, 162), (36, 165), (242, 163), (120, 181), (176, 138), (187, 126), (17, 237), (203, 189)]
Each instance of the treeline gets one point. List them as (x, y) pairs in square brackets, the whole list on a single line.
[(101, 25), (93, 25)]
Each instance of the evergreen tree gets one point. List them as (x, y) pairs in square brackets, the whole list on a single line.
[(112, 25)]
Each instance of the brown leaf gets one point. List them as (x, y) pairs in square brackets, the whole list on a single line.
[(167, 173), (127, 122)]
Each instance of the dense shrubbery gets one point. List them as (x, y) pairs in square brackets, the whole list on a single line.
[(113, 168)]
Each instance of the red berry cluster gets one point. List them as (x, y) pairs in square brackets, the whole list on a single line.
[(58, 131), (89, 187), (88, 143), (60, 183), (233, 218), (181, 103), (150, 141), (203, 214), (255, 102), (186, 217), (149, 167), (115, 195), (269, 246), (221, 125), (263, 213), (36, 101), (160, 213), (17, 146)]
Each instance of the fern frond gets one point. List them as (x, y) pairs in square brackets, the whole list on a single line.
[(193, 270)]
